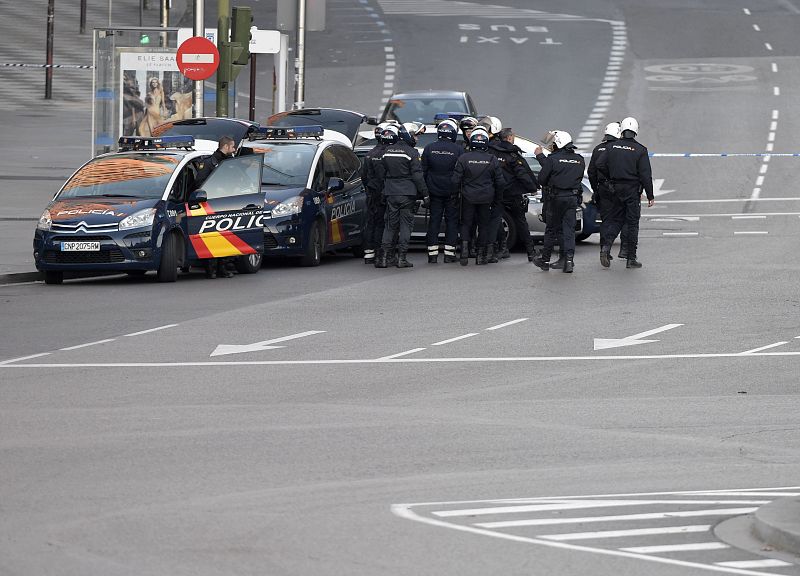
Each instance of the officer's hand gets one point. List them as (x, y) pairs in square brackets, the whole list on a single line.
[(650, 202), (417, 206), (426, 202), (537, 151)]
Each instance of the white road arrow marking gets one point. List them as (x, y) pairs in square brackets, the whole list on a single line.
[(223, 349), (603, 343), (657, 184)]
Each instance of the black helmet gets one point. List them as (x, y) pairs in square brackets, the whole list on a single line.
[(447, 130), (389, 135), (468, 123), (479, 139)]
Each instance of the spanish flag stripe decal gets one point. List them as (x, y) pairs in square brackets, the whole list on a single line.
[(219, 246), (200, 246), (336, 231), (196, 212), (238, 243), (207, 207)]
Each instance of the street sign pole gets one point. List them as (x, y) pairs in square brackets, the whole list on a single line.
[(300, 87), (199, 28), (252, 115), (48, 73), (223, 31)]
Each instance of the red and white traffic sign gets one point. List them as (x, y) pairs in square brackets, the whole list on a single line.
[(198, 58)]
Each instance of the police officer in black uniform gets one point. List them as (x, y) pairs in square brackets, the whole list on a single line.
[(560, 178), (521, 180), (226, 149), (479, 177), (438, 162), (403, 183), (602, 195), (626, 164), (376, 203)]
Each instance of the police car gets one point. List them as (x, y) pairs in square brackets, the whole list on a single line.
[(147, 207), (314, 201)]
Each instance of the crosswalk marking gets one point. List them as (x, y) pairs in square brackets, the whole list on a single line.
[(624, 533), (676, 548), (766, 563), (580, 504), (648, 516)]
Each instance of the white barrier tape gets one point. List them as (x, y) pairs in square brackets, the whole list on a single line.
[(20, 65)]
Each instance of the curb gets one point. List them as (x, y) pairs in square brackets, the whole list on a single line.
[(778, 524), (19, 277)]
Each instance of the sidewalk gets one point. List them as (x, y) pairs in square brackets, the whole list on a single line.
[(778, 524)]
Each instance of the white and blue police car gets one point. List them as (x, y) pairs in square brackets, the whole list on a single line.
[(156, 204)]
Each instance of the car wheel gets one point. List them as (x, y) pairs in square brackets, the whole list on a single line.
[(53, 277), (313, 253), (510, 230), (168, 268), (249, 264)]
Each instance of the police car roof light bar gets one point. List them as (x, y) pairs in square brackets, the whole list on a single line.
[(287, 132), (149, 143), (457, 116)]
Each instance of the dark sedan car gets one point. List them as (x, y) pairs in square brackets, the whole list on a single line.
[(424, 105), (208, 128)]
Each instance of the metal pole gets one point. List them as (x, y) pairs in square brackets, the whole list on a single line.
[(300, 87), (199, 30), (164, 13), (252, 87), (223, 30), (83, 17), (109, 13), (48, 74), (141, 13)]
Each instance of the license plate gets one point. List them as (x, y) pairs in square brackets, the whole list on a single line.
[(80, 246)]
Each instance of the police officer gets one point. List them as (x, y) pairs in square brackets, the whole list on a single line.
[(627, 165), (479, 177), (403, 182), (376, 203), (492, 125), (521, 180), (560, 177), (602, 195), (438, 162), (226, 148)]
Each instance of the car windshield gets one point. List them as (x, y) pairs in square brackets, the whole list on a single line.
[(422, 109), (285, 163), (204, 129), (127, 175)]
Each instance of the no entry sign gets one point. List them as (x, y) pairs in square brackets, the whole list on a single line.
[(198, 58)]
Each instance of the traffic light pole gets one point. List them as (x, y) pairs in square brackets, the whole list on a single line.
[(199, 30), (223, 32), (300, 87)]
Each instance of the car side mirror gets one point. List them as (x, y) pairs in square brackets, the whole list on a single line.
[(372, 120), (198, 196), (335, 184)]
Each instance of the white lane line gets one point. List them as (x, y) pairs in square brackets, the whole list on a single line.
[(773, 125), (151, 330), (748, 217), (755, 193), (767, 563), (774, 67), (4, 362), (88, 344), (760, 180), (746, 11), (724, 200), (676, 548), (623, 517), (770, 147), (393, 356), (504, 324), (680, 233), (455, 339), (749, 492), (776, 90), (751, 233), (756, 28), (764, 167), (624, 533), (768, 45), (767, 347), (721, 215), (563, 504)]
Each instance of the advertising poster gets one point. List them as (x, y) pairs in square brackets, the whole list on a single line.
[(153, 92)]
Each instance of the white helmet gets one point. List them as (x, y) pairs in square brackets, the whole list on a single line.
[(629, 123), (494, 124), (414, 128), (614, 129), (561, 138)]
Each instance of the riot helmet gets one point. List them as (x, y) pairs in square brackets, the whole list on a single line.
[(613, 129), (479, 139), (447, 130), (561, 139), (389, 135), (629, 124)]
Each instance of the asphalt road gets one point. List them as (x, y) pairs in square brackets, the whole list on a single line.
[(445, 420)]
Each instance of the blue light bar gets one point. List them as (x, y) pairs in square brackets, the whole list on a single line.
[(150, 143), (287, 132), (457, 116)]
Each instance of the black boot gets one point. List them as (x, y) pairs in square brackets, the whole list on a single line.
[(633, 262), (472, 252), (433, 254), (381, 260), (433, 259), (623, 252), (605, 256), (569, 264), (391, 256), (464, 257), (401, 260), (491, 254), (481, 256), (531, 251), (369, 256), (449, 254), (558, 264), (504, 253), (542, 261)]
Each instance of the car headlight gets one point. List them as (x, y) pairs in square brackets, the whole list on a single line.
[(45, 221), (288, 207), (138, 219)]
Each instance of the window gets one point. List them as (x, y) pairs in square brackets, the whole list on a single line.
[(327, 168), (348, 162), (235, 177)]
